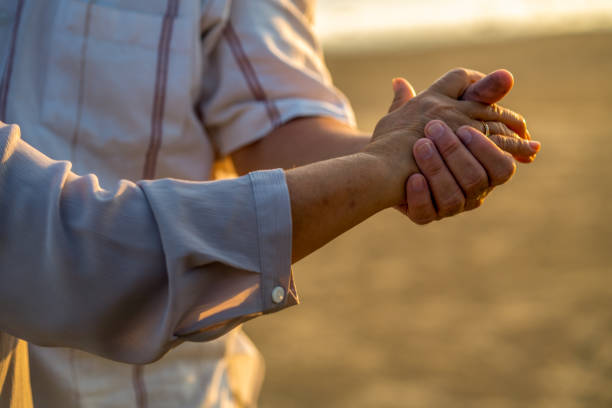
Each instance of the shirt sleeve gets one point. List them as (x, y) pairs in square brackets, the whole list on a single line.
[(131, 272), (266, 69)]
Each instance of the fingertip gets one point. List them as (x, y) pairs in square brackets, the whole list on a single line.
[(435, 128), (505, 77), (535, 146), (465, 134), (417, 183), (396, 85)]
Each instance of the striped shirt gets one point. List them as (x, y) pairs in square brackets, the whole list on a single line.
[(121, 264)]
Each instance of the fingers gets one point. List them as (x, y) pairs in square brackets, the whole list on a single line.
[(403, 92), (495, 128), (419, 205), (490, 89), (523, 150), (454, 83), (447, 194), (496, 113), (500, 166), (467, 170)]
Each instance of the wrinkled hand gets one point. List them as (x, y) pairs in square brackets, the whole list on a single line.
[(458, 171), (465, 97), (459, 182)]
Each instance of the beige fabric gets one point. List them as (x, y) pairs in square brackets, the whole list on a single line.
[(89, 85)]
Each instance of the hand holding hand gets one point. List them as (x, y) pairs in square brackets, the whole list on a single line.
[(460, 182), (458, 171), (475, 96)]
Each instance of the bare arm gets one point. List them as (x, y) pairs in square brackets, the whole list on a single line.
[(330, 197), (299, 142), (312, 139)]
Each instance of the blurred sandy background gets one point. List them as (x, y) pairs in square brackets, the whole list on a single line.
[(508, 306)]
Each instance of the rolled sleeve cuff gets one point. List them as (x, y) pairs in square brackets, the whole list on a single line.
[(227, 247), (270, 286), (273, 209)]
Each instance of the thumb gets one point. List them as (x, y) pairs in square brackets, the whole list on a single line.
[(490, 89), (403, 93)]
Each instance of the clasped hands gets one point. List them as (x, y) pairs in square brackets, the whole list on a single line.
[(458, 164)]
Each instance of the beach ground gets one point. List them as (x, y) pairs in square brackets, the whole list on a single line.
[(507, 306)]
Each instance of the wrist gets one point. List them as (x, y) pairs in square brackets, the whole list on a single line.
[(393, 167), (387, 181)]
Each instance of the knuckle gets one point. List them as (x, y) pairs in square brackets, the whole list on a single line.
[(521, 126), (435, 106), (495, 110), (506, 144), (449, 146), (513, 120), (460, 73), (506, 170), (473, 204), (452, 205), (511, 169), (503, 129), (470, 205), (432, 168), (497, 128), (477, 186)]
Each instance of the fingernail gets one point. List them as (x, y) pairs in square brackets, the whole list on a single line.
[(465, 135), (424, 150), (535, 146), (435, 130), (418, 184)]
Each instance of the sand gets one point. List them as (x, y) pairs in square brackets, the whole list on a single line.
[(506, 306)]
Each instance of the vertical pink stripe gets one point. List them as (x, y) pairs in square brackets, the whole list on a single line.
[(8, 70), (249, 73), (159, 97), (82, 67)]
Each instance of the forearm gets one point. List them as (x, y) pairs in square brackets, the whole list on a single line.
[(330, 197), (299, 142), (333, 185)]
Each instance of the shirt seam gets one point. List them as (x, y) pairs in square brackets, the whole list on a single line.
[(259, 249)]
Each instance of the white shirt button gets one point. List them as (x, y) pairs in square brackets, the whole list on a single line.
[(278, 294)]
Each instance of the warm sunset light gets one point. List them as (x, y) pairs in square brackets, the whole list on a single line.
[(355, 24), (199, 203)]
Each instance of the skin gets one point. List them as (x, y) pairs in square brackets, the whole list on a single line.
[(307, 140), (382, 171), (514, 138), (311, 139)]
